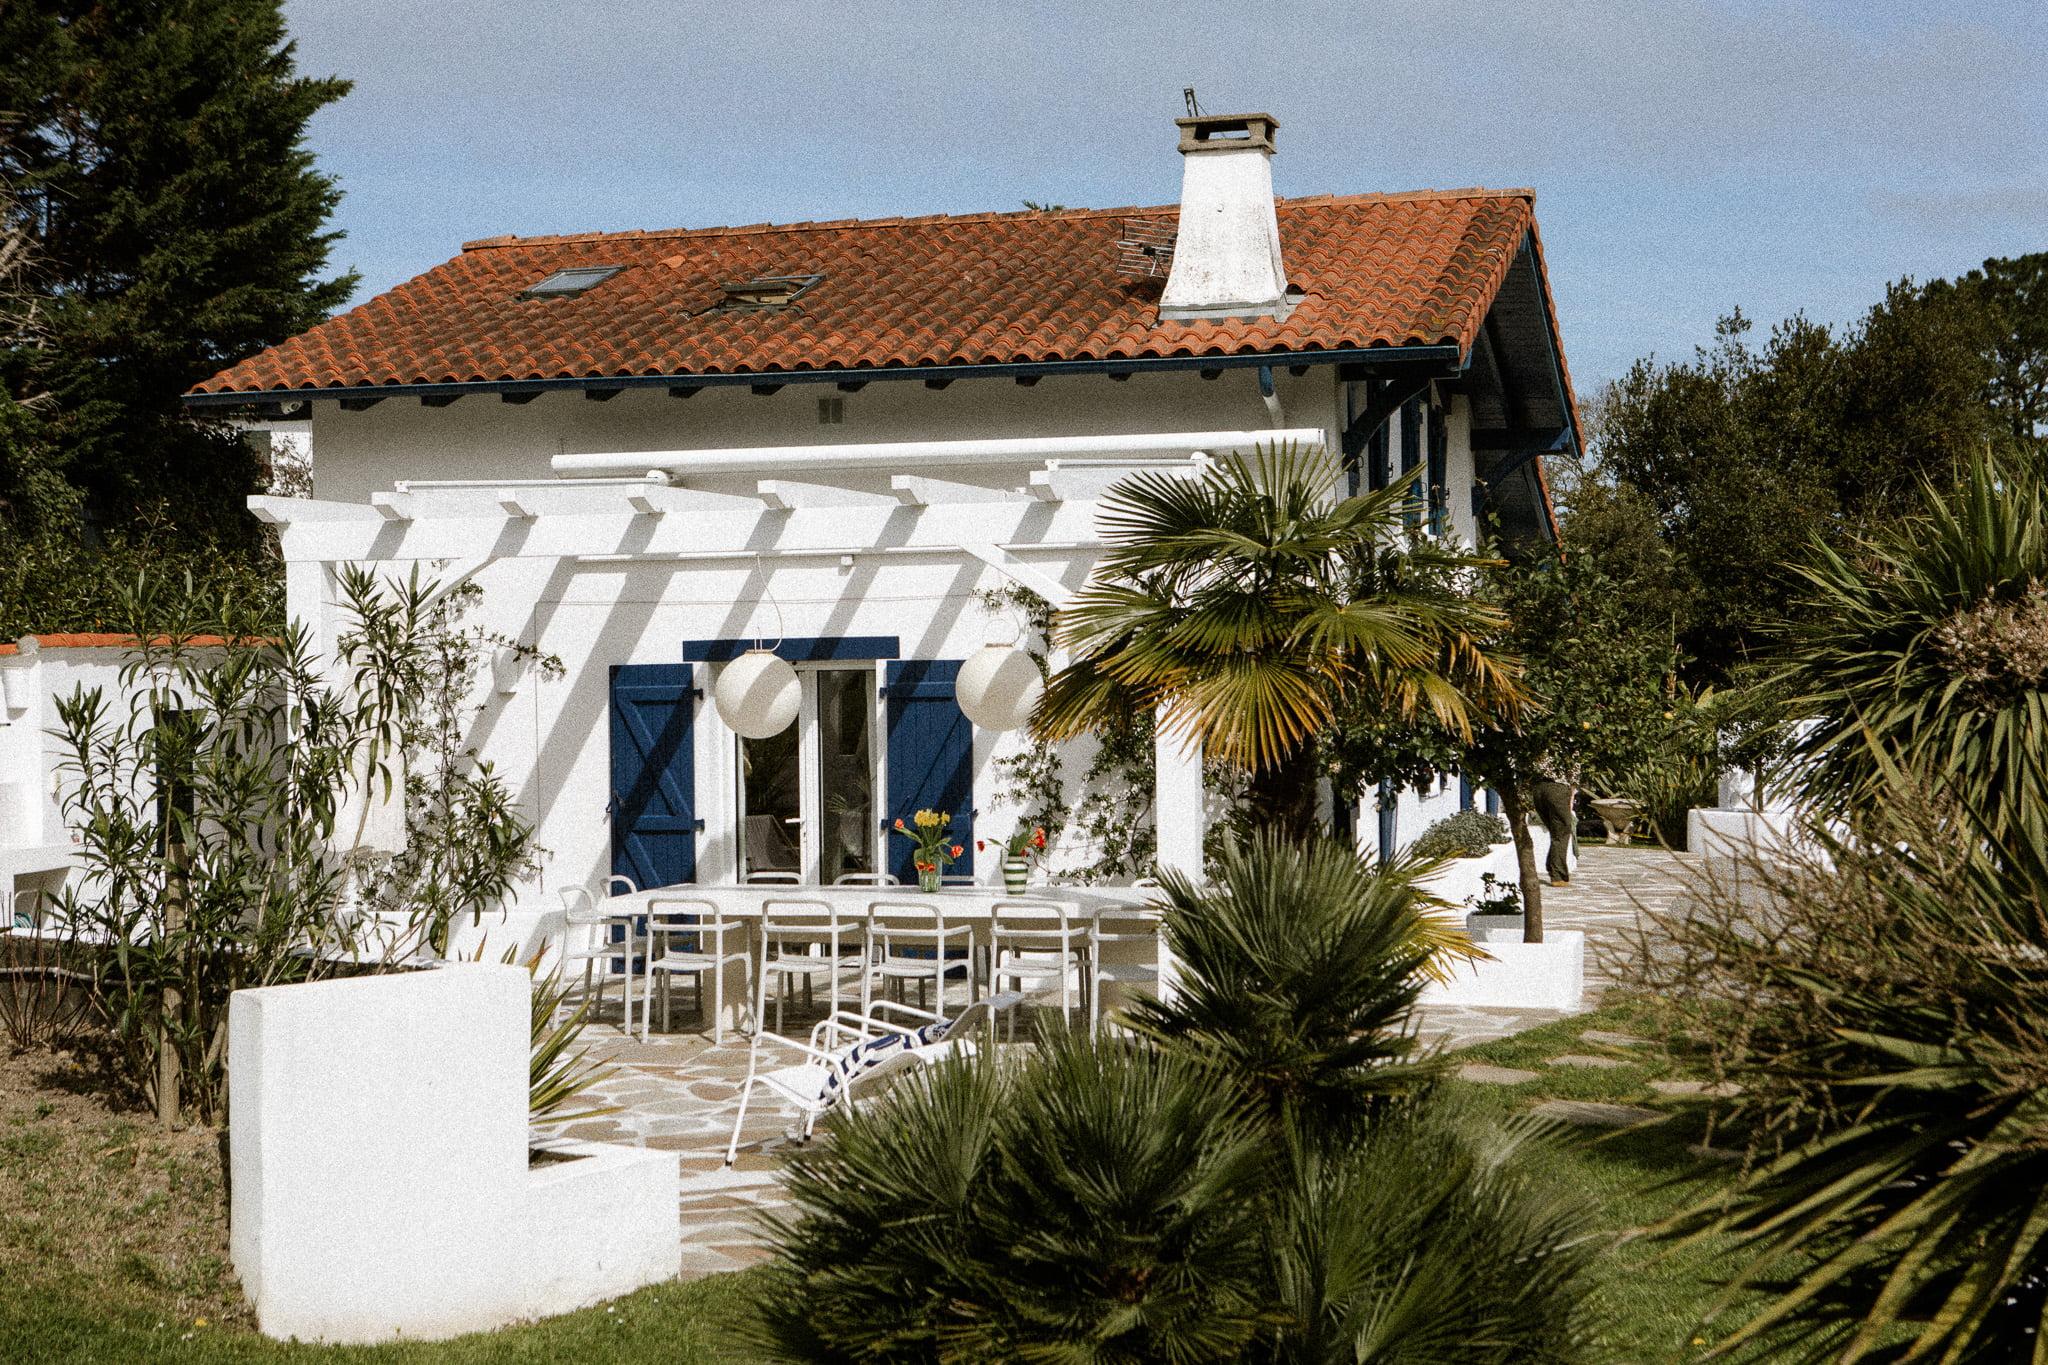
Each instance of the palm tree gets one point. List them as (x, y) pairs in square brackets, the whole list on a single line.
[(1252, 603), (1298, 970)]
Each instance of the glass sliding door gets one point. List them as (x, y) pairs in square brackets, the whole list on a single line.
[(807, 796), (846, 772)]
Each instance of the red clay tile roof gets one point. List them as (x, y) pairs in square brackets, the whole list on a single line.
[(91, 640), (998, 288)]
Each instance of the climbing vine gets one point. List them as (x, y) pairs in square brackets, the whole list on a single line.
[(1113, 815)]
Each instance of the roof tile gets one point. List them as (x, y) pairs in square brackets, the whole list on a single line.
[(1417, 268)]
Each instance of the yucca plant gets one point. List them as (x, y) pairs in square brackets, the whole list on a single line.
[(558, 1071), (1298, 969), (1882, 1004), (1931, 640), (1252, 603)]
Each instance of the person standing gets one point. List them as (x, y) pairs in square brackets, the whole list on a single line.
[(1553, 801)]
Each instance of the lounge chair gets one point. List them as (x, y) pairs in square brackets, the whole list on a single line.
[(851, 1056)]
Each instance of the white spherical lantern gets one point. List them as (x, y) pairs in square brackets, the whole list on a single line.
[(998, 687), (757, 694)]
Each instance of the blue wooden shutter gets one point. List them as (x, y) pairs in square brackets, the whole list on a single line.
[(654, 774), (1377, 473), (931, 757)]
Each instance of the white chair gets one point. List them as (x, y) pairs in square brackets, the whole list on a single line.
[(806, 1084), (1035, 946), (587, 938), (803, 939), (866, 879), (710, 950), (1109, 929), (909, 941)]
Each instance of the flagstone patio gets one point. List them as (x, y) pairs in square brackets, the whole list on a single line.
[(678, 1092)]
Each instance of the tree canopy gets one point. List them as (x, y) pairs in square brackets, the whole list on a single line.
[(164, 218), (1731, 460)]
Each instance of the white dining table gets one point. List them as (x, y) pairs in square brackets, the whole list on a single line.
[(964, 904)]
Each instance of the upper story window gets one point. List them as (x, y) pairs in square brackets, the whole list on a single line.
[(567, 284), (766, 291)]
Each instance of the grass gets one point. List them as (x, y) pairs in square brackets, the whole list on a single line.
[(113, 1248), (113, 1243), (1635, 1177)]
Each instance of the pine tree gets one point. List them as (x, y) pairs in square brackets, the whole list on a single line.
[(155, 152)]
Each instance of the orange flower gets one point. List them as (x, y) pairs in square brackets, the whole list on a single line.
[(926, 867), (956, 850), (1038, 837), (981, 845), (899, 822)]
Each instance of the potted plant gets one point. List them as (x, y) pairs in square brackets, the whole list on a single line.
[(929, 832), (1497, 906), (1017, 851)]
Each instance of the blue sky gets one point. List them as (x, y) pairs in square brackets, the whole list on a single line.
[(1687, 157)]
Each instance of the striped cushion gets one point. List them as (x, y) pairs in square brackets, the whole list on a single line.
[(866, 1056)]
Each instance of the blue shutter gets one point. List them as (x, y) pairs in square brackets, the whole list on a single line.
[(654, 774), (1389, 821), (1377, 473), (1464, 792), (931, 757)]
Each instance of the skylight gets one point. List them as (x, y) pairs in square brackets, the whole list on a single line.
[(766, 291), (567, 284)]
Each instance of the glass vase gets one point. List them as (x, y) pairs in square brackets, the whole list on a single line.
[(928, 880)]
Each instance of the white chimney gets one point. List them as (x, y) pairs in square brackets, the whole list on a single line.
[(1226, 261)]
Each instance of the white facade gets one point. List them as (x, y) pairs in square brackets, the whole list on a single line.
[(770, 553)]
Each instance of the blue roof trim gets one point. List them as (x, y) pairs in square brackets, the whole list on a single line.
[(799, 650), (1449, 357)]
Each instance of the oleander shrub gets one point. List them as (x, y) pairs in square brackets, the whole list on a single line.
[(1468, 834)]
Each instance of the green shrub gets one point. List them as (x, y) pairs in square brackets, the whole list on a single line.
[(1468, 834), (1298, 973), (1880, 1006), (1100, 1202)]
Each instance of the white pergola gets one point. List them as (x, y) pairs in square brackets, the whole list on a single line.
[(1037, 534)]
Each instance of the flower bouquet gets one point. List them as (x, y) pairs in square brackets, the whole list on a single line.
[(1017, 851), (928, 831)]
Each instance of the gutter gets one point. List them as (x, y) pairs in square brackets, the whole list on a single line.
[(1448, 360), (898, 454)]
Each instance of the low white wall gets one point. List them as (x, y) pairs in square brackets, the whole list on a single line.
[(378, 1144), (1550, 975)]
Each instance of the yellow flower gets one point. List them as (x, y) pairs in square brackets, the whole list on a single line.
[(199, 1322), (929, 819)]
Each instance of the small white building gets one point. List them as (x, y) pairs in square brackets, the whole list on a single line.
[(657, 450)]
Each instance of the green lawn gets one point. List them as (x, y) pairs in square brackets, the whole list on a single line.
[(113, 1236), (1635, 1177)]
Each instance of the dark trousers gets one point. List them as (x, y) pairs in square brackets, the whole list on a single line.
[(1553, 802)]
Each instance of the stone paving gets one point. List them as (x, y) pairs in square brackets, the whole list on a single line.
[(679, 1092)]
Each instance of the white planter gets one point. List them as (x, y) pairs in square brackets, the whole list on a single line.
[(1479, 926), (1550, 975)]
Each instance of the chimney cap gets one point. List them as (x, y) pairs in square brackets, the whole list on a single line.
[(1226, 132)]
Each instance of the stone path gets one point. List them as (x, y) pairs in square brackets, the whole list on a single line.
[(1608, 891), (679, 1092)]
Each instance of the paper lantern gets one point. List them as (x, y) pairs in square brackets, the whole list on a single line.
[(998, 687), (757, 694)]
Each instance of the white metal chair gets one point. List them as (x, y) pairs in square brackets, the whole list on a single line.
[(1108, 929), (1035, 946), (802, 939), (709, 952), (808, 1084), (866, 879), (587, 938), (910, 941)]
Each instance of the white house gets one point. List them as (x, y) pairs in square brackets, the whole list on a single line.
[(657, 450)]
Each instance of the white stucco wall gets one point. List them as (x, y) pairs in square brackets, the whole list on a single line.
[(551, 739)]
